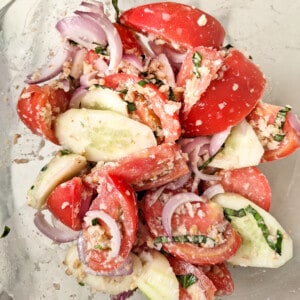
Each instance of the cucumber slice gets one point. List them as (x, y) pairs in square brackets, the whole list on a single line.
[(102, 135), (112, 285), (242, 149), (158, 281), (261, 233), (62, 167), (105, 99)]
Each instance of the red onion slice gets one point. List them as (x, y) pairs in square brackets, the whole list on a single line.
[(88, 79), (218, 140), (101, 65), (57, 234), (84, 31), (213, 190), (172, 204), (169, 73), (112, 35), (133, 60), (78, 94), (52, 68), (77, 63), (294, 121), (113, 228)]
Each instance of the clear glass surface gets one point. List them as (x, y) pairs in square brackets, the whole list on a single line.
[(31, 265)]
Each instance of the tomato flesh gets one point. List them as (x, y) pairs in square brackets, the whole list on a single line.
[(193, 28), (69, 201), (228, 99), (38, 106), (118, 199), (265, 113)]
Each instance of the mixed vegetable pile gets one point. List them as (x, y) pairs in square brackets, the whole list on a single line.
[(161, 128)]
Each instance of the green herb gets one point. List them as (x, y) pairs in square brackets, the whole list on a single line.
[(98, 247), (193, 239), (171, 94), (187, 280), (131, 106), (116, 7), (276, 246), (280, 121), (95, 222), (81, 283), (44, 168), (142, 82), (101, 50), (32, 187), (6, 231), (65, 152), (197, 61)]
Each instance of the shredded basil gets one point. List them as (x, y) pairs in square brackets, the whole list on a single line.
[(81, 283), (101, 50), (171, 95), (65, 152), (116, 7), (193, 239), (142, 82), (5, 233), (197, 60), (44, 168), (95, 222), (131, 106), (186, 280), (276, 246), (280, 121)]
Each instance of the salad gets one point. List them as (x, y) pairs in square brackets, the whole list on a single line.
[(161, 128)]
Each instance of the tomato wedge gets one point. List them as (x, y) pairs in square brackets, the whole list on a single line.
[(228, 99), (190, 252), (249, 182), (38, 106), (69, 201), (264, 119), (221, 278), (154, 106), (145, 169), (117, 199), (203, 286), (180, 25)]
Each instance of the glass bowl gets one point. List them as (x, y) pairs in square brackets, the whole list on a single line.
[(30, 265)]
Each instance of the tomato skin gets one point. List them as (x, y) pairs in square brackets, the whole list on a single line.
[(188, 252), (249, 182), (291, 141), (161, 107), (114, 196), (146, 169), (228, 99), (204, 284), (69, 201), (39, 105), (221, 278), (162, 21), (129, 40)]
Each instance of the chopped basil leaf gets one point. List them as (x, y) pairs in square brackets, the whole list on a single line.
[(65, 152), (171, 94), (98, 247), (276, 246), (95, 222), (131, 106), (6, 231), (280, 121), (81, 283), (197, 60), (44, 168), (193, 239), (187, 280), (101, 50), (142, 82), (116, 7), (72, 43)]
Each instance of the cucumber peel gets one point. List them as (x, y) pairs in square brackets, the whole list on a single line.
[(265, 242)]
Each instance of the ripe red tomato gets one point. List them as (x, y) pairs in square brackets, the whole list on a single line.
[(38, 106), (228, 99), (202, 287), (190, 252), (221, 278), (263, 120), (154, 105), (117, 199), (249, 182), (69, 201), (147, 168), (129, 40), (180, 25)]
